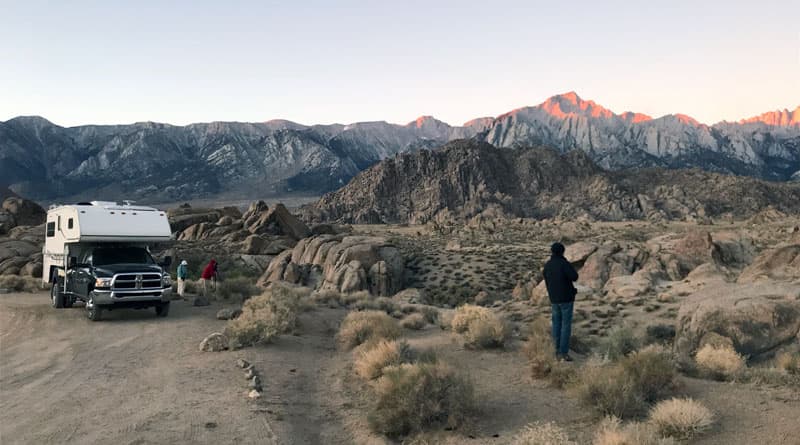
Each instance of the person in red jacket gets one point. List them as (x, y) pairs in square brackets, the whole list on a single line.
[(209, 273)]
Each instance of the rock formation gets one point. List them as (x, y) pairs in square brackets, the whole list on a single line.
[(465, 178), (341, 263)]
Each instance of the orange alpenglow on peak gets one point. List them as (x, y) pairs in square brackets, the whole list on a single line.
[(782, 118), (569, 104), (635, 118), (686, 120)]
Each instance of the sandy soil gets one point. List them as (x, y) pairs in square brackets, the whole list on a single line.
[(138, 379)]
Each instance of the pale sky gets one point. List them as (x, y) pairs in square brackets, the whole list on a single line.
[(80, 62)]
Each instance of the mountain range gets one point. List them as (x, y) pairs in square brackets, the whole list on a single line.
[(161, 162)]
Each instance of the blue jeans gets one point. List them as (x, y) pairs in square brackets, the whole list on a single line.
[(562, 327)]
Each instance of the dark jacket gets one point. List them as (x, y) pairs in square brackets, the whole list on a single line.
[(558, 276)]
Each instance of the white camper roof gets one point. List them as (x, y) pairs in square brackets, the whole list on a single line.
[(111, 222)]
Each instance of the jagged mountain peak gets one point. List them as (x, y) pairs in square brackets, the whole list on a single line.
[(635, 118), (783, 118), (563, 105), (427, 122)]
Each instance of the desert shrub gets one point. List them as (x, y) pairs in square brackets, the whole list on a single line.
[(542, 434), (359, 327), (611, 431), (239, 288), (431, 314), (790, 363), (763, 376), (464, 316), (372, 357), (719, 362), (268, 315), (327, 297), (562, 375), (653, 371), (660, 333), (480, 326), (625, 388), (376, 304), (681, 418), (607, 389), (16, 283), (540, 349), (355, 298), (620, 342), (414, 321), (413, 397)]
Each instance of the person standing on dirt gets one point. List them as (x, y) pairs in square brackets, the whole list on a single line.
[(558, 277), (182, 274), (209, 273)]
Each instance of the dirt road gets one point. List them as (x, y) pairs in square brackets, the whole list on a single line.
[(131, 379)]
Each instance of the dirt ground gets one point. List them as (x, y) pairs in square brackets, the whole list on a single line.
[(137, 379)]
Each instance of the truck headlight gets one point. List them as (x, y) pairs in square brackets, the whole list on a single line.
[(166, 280), (102, 282)]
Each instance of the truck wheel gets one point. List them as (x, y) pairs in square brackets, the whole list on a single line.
[(93, 311), (162, 310), (56, 296)]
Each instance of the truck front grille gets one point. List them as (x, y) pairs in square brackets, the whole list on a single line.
[(137, 281)]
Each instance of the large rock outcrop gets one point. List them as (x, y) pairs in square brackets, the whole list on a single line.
[(755, 317), (464, 178), (342, 263), (778, 264), (18, 211)]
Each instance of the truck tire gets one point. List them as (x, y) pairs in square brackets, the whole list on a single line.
[(56, 296), (162, 310), (93, 311)]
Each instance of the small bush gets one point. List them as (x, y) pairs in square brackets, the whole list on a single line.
[(327, 297), (719, 362), (769, 377), (413, 397), (373, 357), (789, 363), (612, 432), (376, 304), (653, 371), (480, 326), (542, 434), (359, 327), (562, 375), (660, 334), (431, 314), (681, 418), (268, 315), (540, 349), (625, 388), (620, 342), (238, 289), (464, 316), (414, 321), (16, 283)]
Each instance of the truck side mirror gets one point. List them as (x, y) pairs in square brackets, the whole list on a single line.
[(167, 261), (72, 262)]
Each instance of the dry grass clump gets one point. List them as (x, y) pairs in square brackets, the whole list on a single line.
[(238, 289), (540, 349), (542, 434), (268, 315), (611, 431), (681, 418), (359, 327), (413, 397), (719, 362), (465, 315), (480, 326), (790, 363), (16, 283), (626, 388), (415, 321), (620, 342), (372, 357)]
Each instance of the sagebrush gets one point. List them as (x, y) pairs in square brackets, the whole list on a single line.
[(268, 315), (681, 418), (359, 327), (719, 362), (542, 434), (413, 397)]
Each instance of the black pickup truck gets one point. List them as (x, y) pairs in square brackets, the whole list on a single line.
[(106, 277)]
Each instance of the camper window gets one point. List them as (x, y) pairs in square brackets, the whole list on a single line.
[(69, 223), (59, 223), (51, 229)]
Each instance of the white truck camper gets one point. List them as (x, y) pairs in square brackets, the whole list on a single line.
[(99, 252)]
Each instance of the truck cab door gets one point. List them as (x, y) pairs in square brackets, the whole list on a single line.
[(79, 277)]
